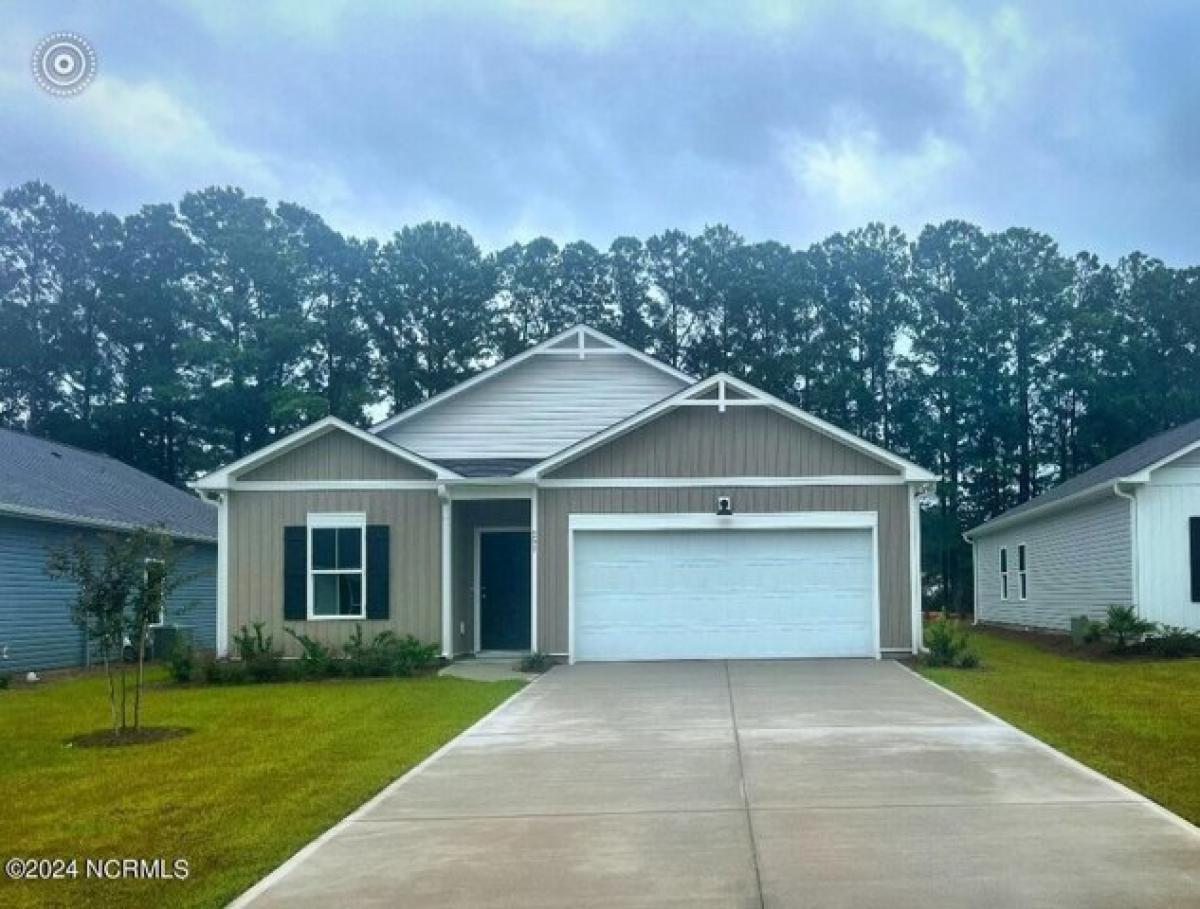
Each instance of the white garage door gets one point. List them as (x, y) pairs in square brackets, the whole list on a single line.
[(723, 594)]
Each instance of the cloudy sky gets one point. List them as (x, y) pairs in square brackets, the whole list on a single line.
[(595, 118)]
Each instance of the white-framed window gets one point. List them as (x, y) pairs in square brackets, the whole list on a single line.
[(1004, 572), (1022, 578), (337, 566), (152, 575)]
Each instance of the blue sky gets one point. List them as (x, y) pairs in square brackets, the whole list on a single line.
[(595, 118)]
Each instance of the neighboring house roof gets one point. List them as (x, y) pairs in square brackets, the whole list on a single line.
[(722, 384), (52, 481), (582, 335), (219, 479), (1131, 466), (488, 467)]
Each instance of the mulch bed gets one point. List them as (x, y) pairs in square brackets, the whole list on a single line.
[(147, 735)]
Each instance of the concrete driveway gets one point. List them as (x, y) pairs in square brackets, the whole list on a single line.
[(821, 783)]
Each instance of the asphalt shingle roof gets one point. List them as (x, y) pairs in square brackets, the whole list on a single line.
[(1127, 462), (46, 478)]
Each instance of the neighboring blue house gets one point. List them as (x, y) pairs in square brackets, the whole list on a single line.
[(50, 493)]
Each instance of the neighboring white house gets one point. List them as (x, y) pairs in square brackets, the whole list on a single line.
[(1125, 532)]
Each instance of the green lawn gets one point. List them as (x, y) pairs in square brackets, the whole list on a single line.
[(267, 768), (1137, 721)]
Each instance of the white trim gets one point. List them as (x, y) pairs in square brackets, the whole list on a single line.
[(1142, 476), (223, 575), (533, 572), (1004, 520), (914, 567), (1091, 772), (683, 482), (908, 470), (977, 603), (477, 590), (788, 520), (316, 520), (249, 896), (579, 331), (447, 576), (219, 479), (319, 485), (489, 488), (728, 402)]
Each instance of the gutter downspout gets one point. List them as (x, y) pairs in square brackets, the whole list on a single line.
[(974, 579), (1133, 543)]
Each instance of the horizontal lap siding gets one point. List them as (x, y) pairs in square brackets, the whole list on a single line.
[(1079, 562), (337, 455), (703, 442), (535, 408), (555, 506), (256, 522), (35, 610)]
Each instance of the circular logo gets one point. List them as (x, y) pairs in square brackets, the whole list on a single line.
[(64, 63)]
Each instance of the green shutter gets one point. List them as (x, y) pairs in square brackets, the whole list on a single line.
[(378, 571), (295, 574)]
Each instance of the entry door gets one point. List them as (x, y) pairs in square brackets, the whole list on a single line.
[(504, 589), (739, 594)]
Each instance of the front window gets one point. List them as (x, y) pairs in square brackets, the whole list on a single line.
[(336, 566)]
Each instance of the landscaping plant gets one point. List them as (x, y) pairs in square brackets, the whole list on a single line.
[(121, 588), (1123, 626), (947, 644)]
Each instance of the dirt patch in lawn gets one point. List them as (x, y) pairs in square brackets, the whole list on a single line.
[(147, 735)]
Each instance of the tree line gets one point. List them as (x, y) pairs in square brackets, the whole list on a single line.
[(187, 335)]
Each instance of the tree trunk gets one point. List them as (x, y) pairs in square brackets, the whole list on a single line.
[(141, 677), (112, 690)]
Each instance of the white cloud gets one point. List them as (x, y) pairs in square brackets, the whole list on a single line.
[(857, 178)]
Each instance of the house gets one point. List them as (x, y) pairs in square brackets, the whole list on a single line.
[(585, 500), (1125, 532), (51, 493)]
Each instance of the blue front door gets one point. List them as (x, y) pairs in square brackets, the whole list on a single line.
[(504, 590)]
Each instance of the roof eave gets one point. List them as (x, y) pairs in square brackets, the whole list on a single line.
[(1096, 491)]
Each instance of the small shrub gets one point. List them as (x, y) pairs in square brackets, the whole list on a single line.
[(1122, 627), (948, 645), (250, 644), (5, 680), (1170, 642), (181, 661), (316, 659), (412, 656), (536, 662)]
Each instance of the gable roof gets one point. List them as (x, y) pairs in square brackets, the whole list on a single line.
[(220, 479), (51, 481), (721, 383), (1131, 466), (581, 334)]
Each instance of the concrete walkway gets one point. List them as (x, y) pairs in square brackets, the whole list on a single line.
[(821, 783)]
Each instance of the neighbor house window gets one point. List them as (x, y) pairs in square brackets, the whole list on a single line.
[(1022, 583), (155, 571), (1004, 572), (336, 566), (1194, 556)]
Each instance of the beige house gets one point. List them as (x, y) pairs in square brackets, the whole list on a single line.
[(585, 500)]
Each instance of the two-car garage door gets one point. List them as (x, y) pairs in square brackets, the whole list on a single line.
[(663, 593)]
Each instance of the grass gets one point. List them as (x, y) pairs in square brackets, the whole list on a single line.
[(265, 769), (1135, 720)]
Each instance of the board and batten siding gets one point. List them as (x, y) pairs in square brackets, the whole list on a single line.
[(256, 523), (704, 442), (36, 632), (1164, 509), (890, 502), (536, 408), (337, 455), (1078, 561)]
